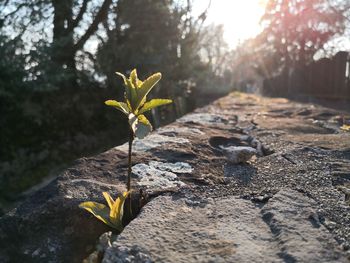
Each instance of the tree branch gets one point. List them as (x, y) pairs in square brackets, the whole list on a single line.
[(339, 12), (101, 15), (6, 3), (80, 15), (16, 10)]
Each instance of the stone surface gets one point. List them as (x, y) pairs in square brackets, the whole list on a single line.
[(228, 229), (203, 118), (159, 175), (153, 141), (300, 236), (238, 154), (289, 203)]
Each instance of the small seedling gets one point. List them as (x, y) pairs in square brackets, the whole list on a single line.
[(112, 216), (134, 106), (345, 127)]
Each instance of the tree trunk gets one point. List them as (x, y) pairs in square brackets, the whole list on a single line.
[(63, 53), (64, 48)]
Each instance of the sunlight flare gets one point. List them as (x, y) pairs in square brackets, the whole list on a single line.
[(240, 18)]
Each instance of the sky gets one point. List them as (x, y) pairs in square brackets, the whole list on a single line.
[(239, 17)]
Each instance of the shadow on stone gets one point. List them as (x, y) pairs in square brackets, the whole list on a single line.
[(311, 129), (217, 142), (174, 155)]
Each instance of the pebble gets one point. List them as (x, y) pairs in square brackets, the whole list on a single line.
[(238, 154)]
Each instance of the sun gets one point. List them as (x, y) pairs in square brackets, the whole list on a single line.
[(239, 17)]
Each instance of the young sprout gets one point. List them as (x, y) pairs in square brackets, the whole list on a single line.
[(345, 127), (134, 105), (111, 215)]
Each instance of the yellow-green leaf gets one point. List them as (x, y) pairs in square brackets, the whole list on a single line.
[(133, 121), (145, 88), (153, 104), (142, 118), (133, 78), (112, 216), (116, 213), (123, 76), (131, 94), (100, 211), (345, 127), (139, 83), (129, 105), (140, 125), (143, 127), (109, 199), (121, 106)]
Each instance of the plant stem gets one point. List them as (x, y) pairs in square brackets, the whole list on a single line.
[(131, 138)]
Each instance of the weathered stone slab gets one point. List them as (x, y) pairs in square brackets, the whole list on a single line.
[(152, 141), (298, 232), (228, 229), (218, 211), (159, 175)]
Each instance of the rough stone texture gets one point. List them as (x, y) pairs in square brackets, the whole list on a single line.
[(228, 229), (238, 154), (296, 189), (158, 175), (153, 141)]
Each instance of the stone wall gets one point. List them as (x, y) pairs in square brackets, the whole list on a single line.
[(245, 179)]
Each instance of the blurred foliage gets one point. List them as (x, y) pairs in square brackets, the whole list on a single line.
[(294, 33), (295, 30), (58, 66)]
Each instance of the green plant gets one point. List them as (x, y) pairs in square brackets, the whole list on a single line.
[(134, 106), (345, 127), (111, 216)]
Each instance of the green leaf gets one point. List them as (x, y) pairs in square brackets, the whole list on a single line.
[(140, 125), (136, 92), (123, 107), (129, 105), (142, 118), (145, 88), (139, 83), (117, 210), (133, 121), (130, 91), (153, 104), (112, 216), (133, 78), (142, 102), (345, 127), (144, 127), (100, 211), (123, 76), (109, 199)]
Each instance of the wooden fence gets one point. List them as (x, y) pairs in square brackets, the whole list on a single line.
[(324, 79)]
